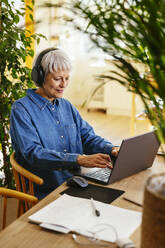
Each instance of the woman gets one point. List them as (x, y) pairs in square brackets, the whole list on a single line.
[(48, 134)]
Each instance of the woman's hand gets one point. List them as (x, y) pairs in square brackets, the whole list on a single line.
[(95, 160), (115, 151)]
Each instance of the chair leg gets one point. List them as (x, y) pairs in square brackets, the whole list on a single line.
[(19, 209), (4, 212), (22, 208)]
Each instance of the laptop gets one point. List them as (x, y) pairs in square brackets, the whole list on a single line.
[(136, 154)]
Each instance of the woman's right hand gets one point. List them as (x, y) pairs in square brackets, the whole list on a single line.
[(95, 160)]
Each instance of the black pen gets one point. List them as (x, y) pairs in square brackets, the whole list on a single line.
[(97, 212)]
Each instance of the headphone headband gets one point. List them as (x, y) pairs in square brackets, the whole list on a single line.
[(38, 74)]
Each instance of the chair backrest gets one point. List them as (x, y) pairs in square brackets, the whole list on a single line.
[(20, 174), (23, 198)]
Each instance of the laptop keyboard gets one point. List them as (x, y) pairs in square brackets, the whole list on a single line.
[(102, 174)]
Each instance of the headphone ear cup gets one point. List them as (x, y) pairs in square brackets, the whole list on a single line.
[(38, 75), (41, 75)]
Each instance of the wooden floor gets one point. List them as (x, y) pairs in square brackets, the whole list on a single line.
[(111, 127)]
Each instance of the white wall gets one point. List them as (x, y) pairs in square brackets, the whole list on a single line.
[(78, 46), (117, 99)]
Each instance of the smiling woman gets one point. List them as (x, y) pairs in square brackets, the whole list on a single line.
[(56, 82), (48, 134), (55, 68)]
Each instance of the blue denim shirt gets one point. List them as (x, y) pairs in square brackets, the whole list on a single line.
[(47, 138)]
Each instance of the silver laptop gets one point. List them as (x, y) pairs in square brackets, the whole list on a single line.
[(136, 154)]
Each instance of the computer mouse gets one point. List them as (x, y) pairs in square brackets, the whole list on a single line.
[(77, 182)]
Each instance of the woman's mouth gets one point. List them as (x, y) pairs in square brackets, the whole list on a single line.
[(60, 91)]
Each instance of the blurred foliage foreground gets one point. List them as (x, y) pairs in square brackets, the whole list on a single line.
[(130, 31)]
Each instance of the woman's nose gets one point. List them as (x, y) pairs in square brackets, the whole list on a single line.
[(63, 83)]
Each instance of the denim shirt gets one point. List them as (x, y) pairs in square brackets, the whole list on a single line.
[(47, 138)]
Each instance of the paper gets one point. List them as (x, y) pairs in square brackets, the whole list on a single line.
[(57, 228), (77, 215)]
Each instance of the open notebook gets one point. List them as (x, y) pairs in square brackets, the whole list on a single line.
[(74, 214)]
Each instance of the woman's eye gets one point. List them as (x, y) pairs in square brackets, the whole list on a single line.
[(61, 79)]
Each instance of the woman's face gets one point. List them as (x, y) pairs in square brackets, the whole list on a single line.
[(54, 85)]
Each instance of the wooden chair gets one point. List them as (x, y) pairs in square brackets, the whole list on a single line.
[(20, 174), (9, 193)]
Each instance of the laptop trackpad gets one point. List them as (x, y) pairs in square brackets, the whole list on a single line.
[(85, 170)]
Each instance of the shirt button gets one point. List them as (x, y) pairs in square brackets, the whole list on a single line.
[(65, 150), (53, 108), (62, 136), (58, 122)]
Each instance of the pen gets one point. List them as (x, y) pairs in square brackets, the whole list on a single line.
[(97, 212)]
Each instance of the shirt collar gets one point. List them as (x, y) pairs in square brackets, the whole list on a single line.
[(40, 101)]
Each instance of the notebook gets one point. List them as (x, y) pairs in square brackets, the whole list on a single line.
[(136, 154), (74, 214)]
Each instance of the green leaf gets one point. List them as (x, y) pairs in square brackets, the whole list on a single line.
[(29, 7), (31, 52), (38, 41), (16, 19), (31, 17)]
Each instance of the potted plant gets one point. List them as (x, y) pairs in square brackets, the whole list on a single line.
[(15, 77)]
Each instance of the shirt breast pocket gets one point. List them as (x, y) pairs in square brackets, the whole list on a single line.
[(72, 134)]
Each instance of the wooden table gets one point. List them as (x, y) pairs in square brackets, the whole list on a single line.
[(21, 233)]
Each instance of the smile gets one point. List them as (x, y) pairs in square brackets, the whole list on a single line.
[(60, 91)]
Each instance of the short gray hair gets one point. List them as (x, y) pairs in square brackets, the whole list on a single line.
[(55, 60)]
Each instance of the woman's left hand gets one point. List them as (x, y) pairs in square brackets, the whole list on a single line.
[(115, 151)]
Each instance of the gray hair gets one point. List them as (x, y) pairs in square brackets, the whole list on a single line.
[(55, 60)]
